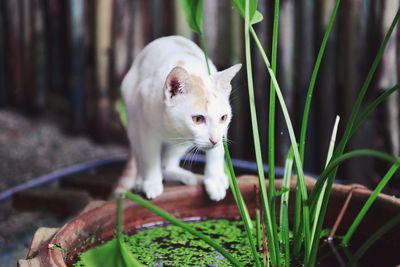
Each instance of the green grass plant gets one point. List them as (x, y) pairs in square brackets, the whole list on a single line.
[(303, 243)]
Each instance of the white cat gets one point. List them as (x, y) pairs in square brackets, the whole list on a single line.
[(173, 105)]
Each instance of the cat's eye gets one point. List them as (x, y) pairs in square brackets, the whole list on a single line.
[(198, 119), (224, 118)]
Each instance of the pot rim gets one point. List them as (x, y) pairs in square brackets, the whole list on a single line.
[(103, 215)]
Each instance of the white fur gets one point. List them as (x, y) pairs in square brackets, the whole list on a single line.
[(160, 124)]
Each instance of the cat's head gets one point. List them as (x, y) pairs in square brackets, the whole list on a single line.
[(197, 108)]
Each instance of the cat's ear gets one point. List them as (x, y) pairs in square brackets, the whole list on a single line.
[(224, 78), (177, 83)]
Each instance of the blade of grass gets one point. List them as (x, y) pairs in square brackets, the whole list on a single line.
[(368, 204), (327, 174), (297, 234), (320, 197), (356, 119), (351, 127), (127, 258), (371, 107), (375, 237), (365, 86), (338, 160), (286, 240), (271, 120), (361, 118), (284, 216), (307, 106), (163, 214), (346, 136), (119, 216), (230, 179), (258, 230), (271, 235), (299, 165), (286, 181), (242, 206)]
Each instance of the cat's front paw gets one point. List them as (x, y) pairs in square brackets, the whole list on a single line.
[(152, 188), (216, 187)]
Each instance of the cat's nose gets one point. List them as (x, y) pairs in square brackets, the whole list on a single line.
[(213, 141)]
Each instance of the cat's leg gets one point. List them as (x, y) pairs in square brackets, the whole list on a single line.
[(172, 171), (149, 166), (128, 178), (216, 181)]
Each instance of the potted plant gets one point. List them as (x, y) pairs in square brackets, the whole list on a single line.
[(290, 215)]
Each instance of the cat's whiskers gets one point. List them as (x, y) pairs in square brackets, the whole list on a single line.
[(187, 155), (193, 156)]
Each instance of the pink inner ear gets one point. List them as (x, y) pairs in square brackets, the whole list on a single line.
[(175, 87)]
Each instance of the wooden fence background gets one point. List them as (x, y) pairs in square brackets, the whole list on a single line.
[(68, 57)]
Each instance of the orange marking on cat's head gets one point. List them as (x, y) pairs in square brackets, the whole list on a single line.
[(198, 90), (179, 63)]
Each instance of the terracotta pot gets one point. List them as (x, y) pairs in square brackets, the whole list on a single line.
[(61, 247)]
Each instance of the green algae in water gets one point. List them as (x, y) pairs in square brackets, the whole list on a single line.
[(170, 246)]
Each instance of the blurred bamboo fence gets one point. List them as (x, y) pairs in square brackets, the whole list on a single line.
[(67, 57)]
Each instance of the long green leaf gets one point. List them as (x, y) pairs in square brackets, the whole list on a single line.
[(127, 256), (254, 15), (284, 216), (321, 195), (334, 163), (307, 106), (348, 131), (156, 210), (193, 10), (371, 107), (242, 206), (365, 86), (286, 182), (297, 226), (271, 234), (285, 237), (299, 165), (327, 176), (271, 119), (368, 204), (230, 179), (258, 230)]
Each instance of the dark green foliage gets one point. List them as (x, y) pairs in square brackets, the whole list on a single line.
[(194, 14)]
